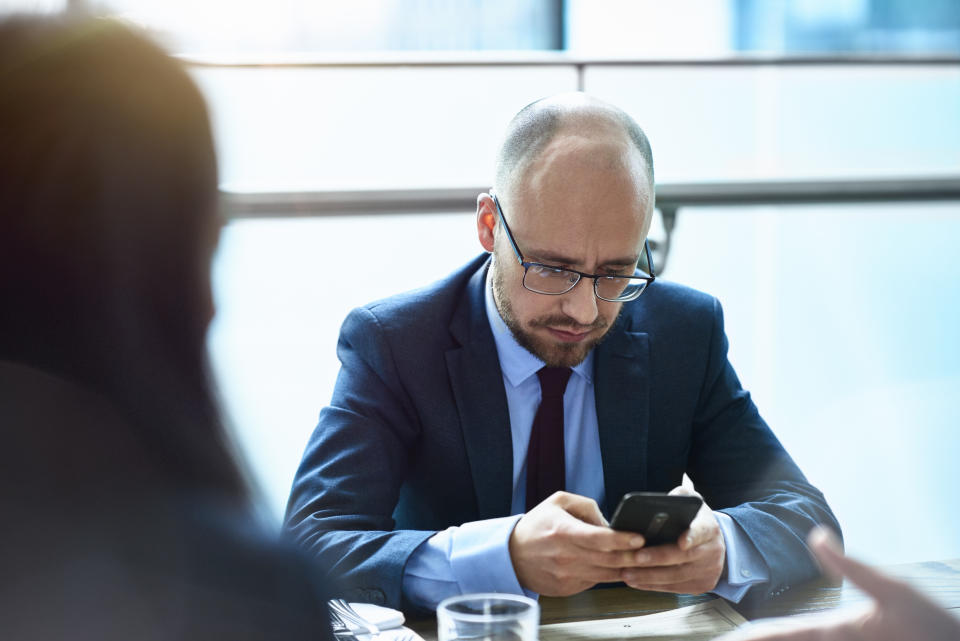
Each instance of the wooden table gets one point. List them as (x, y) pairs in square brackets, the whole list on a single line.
[(939, 579)]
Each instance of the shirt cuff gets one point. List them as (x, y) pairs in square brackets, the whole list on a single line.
[(474, 557), (745, 566)]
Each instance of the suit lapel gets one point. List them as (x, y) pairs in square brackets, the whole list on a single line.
[(622, 391), (477, 384)]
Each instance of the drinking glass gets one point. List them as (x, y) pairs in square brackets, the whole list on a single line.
[(488, 617)]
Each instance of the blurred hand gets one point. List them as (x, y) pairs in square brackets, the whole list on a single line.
[(898, 611), (692, 565), (564, 546)]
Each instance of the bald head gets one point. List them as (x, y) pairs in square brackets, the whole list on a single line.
[(616, 138), (575, 180)]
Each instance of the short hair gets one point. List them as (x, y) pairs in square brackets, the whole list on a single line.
[(534, 126)]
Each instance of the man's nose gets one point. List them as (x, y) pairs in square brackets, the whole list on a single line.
[(580, 303)]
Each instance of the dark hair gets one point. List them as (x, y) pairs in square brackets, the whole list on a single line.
[(107, 220), (534, 126)]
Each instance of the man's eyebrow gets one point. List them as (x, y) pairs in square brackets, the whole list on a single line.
[(553, 258)]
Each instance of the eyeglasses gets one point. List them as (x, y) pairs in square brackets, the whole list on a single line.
[(553, 280)]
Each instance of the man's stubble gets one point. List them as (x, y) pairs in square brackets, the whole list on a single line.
[(552, 353)]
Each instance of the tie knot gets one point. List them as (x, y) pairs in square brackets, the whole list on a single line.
[(553, 380)]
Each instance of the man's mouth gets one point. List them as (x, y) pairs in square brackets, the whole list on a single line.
[(568, 336)]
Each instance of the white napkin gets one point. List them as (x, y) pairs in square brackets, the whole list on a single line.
[(383, 618), (402, 633)]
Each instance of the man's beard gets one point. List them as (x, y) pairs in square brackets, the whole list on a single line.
[(552, 353)]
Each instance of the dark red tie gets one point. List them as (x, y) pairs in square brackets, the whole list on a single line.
[(545, 457)]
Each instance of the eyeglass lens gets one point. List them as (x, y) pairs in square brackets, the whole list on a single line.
[(548, 280)]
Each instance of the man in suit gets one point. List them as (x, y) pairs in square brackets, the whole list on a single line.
[(483, 429)]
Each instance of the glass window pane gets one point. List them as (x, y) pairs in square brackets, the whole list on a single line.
[(283, 26), (707, 28), (853, 358), (282, 288), (299, 129), (31, 6), (755, 123)]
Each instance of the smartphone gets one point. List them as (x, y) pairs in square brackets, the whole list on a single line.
[(660, 518)]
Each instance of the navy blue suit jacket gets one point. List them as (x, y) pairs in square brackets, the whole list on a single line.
[(417, 435)]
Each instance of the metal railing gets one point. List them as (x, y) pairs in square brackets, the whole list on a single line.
[(671, 197), (447, 59)]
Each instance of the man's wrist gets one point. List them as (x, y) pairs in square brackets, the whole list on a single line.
[(473, 557), (743, 566)]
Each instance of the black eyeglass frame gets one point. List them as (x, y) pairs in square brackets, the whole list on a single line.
[(580, 275)]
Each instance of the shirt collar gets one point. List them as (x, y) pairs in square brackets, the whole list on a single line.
[(516, 362)]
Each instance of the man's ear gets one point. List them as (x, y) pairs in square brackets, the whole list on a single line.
[(486, 220)]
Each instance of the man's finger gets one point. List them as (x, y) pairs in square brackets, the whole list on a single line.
[(683, 491), (600, 538), (703, 529), (601, 575), (616, 559), (694, 584), (583, 508), (827, 550), (662, 576), (662, 555)]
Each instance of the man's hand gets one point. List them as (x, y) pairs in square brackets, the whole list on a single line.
[(564, 546), (692, 565), (898, 611)]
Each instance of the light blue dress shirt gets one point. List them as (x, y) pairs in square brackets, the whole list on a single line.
[(475, 557)]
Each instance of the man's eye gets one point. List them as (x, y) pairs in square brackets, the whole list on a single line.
[(548, 270)]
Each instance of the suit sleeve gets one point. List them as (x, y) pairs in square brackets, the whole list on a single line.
[(348, 483), (741, 469)]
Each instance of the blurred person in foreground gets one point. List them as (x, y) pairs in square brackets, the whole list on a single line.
[(897, 611), (483, 429), (124, 514)]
